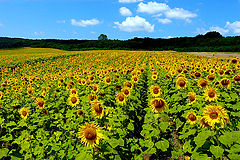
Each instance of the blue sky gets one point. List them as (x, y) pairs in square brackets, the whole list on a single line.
[(118, 19)]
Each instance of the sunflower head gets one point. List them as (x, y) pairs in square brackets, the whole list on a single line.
[(211, 77), (128, 84), (154, 77), (234, 61), (225, 83), (158, 104), (30, 90), (97, 109), (24, 112), (73, 100), (215, 114), (94, 88), (197, 74), (126, 91), (155, 91), (191, 118), (107, 80), (192, 97), (40, 103), (202, 83), (135, 79), (90, 135), (211, 94), (80, 112), (121, 98), (181, 83), (236, 79), (73, 91)]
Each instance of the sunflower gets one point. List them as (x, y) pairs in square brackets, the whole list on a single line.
[(220, 72), (192, 97), (126, 91), (30, 90), (155, 91), (90, 135), (181, 83), (234, 61), (236, 78), (154, 77), (197, 74), (40, 103), (135, 79), (73, 91), (83, 81), (158, 104), (191, 118), (211, 77), (215, 114), (80, 112), (128, 84), (202, 83), (211, 94), (107, 80), (95, 88), (203, 123), (97, 109), (225, 83), (73, 100), (120, 98), (24, 112), (93, 97)]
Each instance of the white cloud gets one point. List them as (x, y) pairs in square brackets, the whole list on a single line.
[(152, 7), (164, 20), (129, 1), (163, 8), (234, 27), (219, 29), (85, 23), (61, 21), (157, 15), (92, 32), (179, 13), (135, 24), (125, 11), (39, 33)]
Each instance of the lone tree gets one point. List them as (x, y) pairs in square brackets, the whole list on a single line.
[(102, 37), (213, 34)]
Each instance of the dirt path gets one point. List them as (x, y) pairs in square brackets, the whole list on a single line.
[(216, 54)]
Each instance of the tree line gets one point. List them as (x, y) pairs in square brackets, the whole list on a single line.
[(210, 42)]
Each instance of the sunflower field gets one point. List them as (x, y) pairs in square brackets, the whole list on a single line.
[(119, 105)]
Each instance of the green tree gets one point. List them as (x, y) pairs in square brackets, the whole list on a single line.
[(102, 37)]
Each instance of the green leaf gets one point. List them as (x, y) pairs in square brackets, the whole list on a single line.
[(198, 156), (121, 142), (7, 137), (226, 139), (3, 152), (150, 151), (11, 123), (130, 126), (83, 156), (163, 145), (234, 156), (163, 126), (25, 145), (216, 151), (179, 123), (200, 139), (187, 147), (113, 142)]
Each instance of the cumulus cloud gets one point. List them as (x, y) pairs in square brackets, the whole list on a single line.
[(125, 11), (135, 24), (164, 20), (234, 27), (129, 1), (39, 33), (163, 8), (85, 23), (179, 13), (219, 29), (152, 7)]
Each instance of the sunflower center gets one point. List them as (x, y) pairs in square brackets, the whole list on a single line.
[(203, 84), (74, 91), (182, 83), (108, 80), (237, 78), (40, 103), (158, 104), (94, 88), (214, 115), (24, 113), (225, 82), (121, 98), (211, 94), (155, 90), (192, 117), (80, 112), (135, 79), (234, 61), (192, 98), (74, 100), (126, 92), (128, 84), (90, 134), (211, 77), (197, 74), (98, 108)]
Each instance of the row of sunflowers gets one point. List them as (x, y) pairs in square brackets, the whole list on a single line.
[(120, 105)]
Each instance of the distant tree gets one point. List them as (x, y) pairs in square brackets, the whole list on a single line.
[(102, 37), (213, 34)]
